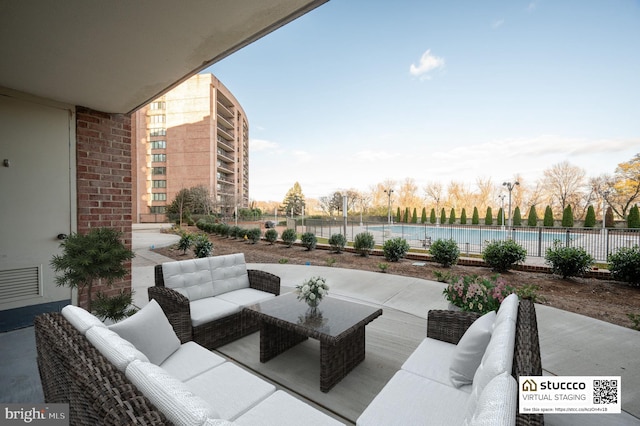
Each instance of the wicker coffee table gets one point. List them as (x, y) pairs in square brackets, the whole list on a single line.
[(337, 324)]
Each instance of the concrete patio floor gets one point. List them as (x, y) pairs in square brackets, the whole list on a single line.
[(570, 344)]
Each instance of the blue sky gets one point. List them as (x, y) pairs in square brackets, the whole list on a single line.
[(357, 92)]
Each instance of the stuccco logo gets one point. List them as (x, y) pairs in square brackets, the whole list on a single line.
[(531, 385)]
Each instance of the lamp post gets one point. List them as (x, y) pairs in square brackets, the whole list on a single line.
[(510, 186), (501, 197), (389, 192), (437, 211)]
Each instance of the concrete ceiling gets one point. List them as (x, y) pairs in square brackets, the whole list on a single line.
[(117, 55)]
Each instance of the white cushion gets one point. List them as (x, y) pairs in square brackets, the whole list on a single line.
[(245, 296), (218, 422), (431, 360), (211, 309), (118, 351), (191, 278), (230, 390), (228, 272), (498, 404), (150, 331), (497, 359), (190, 360), (508, 309), (281, 409), (470, 349), (81, 319), (409, 399), (172, 397)]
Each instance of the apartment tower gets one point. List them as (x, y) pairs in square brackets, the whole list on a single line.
[(196, 134)]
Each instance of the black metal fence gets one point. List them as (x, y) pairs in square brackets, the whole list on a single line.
[(472, 239)]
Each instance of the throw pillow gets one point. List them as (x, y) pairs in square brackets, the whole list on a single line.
[(469, 350), (150, 332)]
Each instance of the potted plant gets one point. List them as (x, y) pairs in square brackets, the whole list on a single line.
[(472, 293), (95, 257)]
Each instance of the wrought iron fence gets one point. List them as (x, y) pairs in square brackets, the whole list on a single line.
[(472, 239)]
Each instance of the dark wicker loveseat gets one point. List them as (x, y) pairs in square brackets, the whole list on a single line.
[(450, 326), (215, 333)]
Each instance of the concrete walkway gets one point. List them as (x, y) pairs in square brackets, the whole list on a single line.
[(571, 344)]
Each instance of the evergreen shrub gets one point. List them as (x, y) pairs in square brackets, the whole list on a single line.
[(624, 265), (500, 255), (289, 236), (445, 252), (271, 235), (309, 240), (395, 249), (337, 242), (568, 261), (364, 243)]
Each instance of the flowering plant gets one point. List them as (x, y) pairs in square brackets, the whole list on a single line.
[(472, 293), (312, 291)]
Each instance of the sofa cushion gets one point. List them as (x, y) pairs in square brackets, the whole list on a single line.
[(211, 309), (150, 331), (118, 351), (508, 309), (191, 278), (470, 349), (245, 296), (230, 390), (431, 360), (409, 399), (190, 360), (497, 405), (218, 422), (81, 319), (228, 273), (172, 397), (281, 409)]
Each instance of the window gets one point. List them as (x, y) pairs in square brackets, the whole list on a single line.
[(158, 132), (158, 170), (161, 118), (157, 105), (159, 197), (158, 144), (159, 183), (158, 209), (158, 158)]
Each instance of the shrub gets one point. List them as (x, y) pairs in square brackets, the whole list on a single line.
[(309, 240), (463, 217), (202, 247), (475, 218), (568, 261), (590, 219), (517, 217), (548, 217), (477, 294), (337, 242), (395, 249), (423, 217), (567, 217), (452, 216), (432, 216), (445, 252), (364, 243), (443, 217), (234, 231), (289, 236), (271, 235), (500, 219), (254, 235), (414, 216), (624, 265), (633, 220), (383, 267), (488, 219), (502, 255), (608, 218), (532, 220), (223, 229), (185, 243), (114, 308)]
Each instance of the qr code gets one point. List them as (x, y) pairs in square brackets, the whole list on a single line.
[(605, 391)]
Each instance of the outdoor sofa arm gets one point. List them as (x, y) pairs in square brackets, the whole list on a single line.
[(176, 308), (449, 326), (264, 281)]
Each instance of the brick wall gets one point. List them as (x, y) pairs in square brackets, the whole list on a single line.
[(103, 167)]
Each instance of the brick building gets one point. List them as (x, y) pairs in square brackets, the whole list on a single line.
[(195, 134)]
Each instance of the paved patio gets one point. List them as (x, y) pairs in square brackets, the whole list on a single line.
[(570, 344)]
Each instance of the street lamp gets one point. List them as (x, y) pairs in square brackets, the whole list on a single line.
[(389, 192), (437, 211), (510, 186), (501, 197)]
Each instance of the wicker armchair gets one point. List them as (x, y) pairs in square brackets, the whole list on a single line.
[(215, 333), (449, 326)]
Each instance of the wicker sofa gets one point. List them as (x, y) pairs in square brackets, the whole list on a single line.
[(108, 380), (204, 298), (455, 377)]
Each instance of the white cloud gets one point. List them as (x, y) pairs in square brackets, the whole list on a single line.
[(428, 62), (256, 145), (497, 23)]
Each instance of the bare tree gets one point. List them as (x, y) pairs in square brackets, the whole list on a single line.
[(408, 194), (435, 193), (565, 183)]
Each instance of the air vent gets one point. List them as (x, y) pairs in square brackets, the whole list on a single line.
[(19, 283)]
